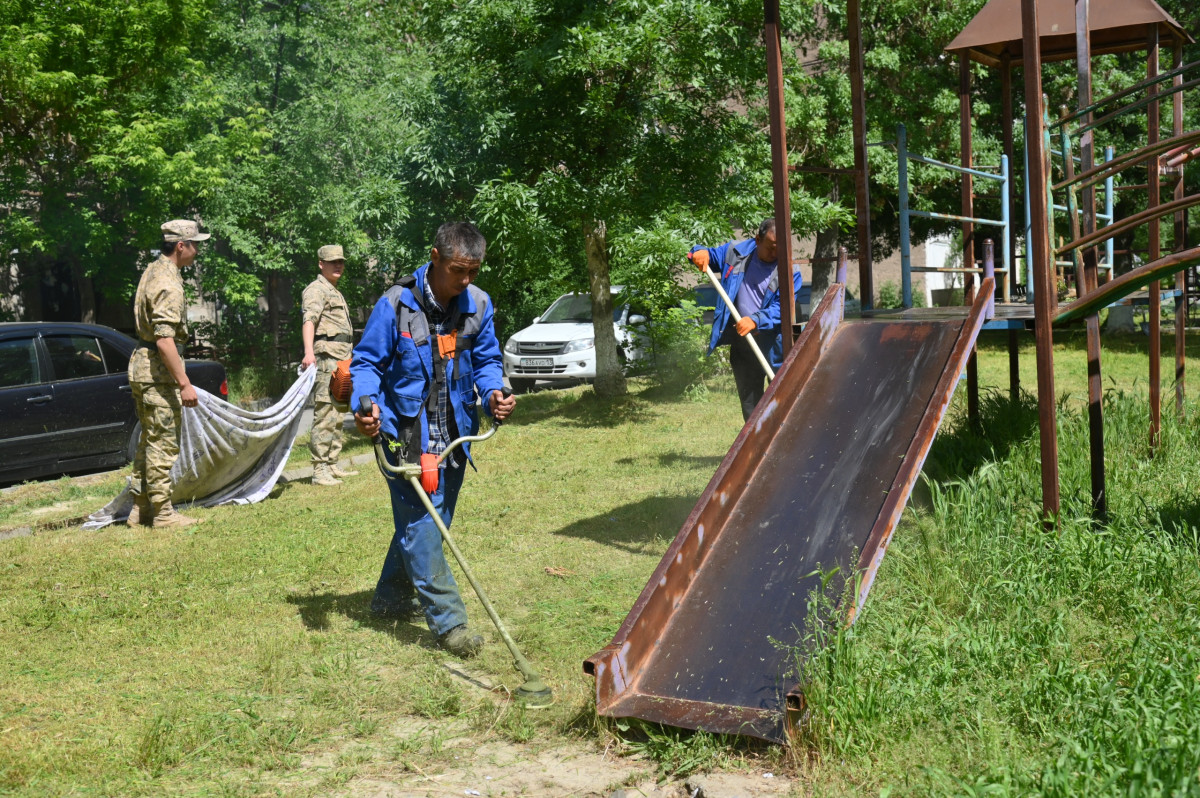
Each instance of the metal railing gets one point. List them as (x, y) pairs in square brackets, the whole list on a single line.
[(906, 213)]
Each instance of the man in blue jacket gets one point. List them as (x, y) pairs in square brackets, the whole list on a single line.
[(750, 277), (429, 344)]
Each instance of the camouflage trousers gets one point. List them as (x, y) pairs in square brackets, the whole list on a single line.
[(325, 441), (160, 411)]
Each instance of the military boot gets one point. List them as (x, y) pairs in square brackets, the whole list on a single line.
[(141, 514), (166, 517), (323, 475), (341, 473)]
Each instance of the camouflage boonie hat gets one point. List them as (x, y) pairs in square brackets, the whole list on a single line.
[(330, 252), (182, 230)]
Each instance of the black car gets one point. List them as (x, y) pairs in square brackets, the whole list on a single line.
[(65, 401)]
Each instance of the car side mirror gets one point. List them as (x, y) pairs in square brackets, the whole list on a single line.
[(637, 318), (536, 319)]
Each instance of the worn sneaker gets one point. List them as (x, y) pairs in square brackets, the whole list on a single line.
[(166, 517), (461, 642), (342, 473), (323, 475), (141, 514)]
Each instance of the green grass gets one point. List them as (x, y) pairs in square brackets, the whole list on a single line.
[(997, 658), (239, 658)]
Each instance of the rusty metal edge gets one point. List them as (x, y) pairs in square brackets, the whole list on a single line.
[(914, 459), (713, 718), (614, 667)]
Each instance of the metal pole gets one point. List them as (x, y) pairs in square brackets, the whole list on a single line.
[(1038, 246), (862, 169), (1090, 275), (1109, 193), (968, 185), (843, 265), (1155, 243), (1009, 246), (1030, 290), (779, 172), (1179, 240), (905, 240), (1006, 229)]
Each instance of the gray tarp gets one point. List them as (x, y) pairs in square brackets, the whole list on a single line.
[(227, 455)]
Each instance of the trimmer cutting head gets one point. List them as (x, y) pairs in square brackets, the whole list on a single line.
[(534, 694)]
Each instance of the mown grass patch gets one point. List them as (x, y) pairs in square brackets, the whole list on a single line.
[(239, 656)]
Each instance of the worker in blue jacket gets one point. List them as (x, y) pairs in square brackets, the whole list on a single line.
[(750, 276), (428, 346)]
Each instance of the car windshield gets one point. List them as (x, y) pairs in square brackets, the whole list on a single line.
[(574, 307)]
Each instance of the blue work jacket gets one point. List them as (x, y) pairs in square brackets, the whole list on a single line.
[(729, 260), (396, 368)]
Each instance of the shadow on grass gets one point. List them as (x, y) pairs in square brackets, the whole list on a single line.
[(316, 608), (633, 527), (667, 459), (1179, 520), (961, 449), (584, 409)]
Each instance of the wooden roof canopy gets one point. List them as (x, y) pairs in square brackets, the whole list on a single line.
[(1117, 26)]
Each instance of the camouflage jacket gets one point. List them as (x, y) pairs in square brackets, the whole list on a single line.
[(160, 311), (326, 308)]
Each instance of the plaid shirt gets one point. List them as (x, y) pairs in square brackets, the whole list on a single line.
[(440, 420)]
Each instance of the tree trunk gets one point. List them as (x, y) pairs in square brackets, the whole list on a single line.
[(273, 317), (85, 291), (824, 266), (610, 380)]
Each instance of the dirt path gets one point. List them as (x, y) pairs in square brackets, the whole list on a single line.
[(569, 769)]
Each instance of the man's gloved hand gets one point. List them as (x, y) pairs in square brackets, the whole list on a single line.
[(700, 259), (745, 325)]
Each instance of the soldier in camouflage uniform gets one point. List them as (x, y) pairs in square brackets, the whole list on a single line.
[(328, 338), (159, 383)]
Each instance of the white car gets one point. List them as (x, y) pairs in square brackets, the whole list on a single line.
[(560, 344)]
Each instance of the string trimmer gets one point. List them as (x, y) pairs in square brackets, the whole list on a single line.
[(423, 477)]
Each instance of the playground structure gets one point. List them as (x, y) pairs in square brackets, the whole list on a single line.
[(816, 481)]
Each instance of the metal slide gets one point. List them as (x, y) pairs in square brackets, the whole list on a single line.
[(817, 479)]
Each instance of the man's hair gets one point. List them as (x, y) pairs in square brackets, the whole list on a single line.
[(460, 240), (167, 247), (767, 226)]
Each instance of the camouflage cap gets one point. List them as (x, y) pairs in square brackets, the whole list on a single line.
[(182, 230), (330, 252)]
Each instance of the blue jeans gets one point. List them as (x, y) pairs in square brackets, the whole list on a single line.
[(415, 562)]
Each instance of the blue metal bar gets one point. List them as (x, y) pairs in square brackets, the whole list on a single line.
[(955, 218), (1028, 217), (905, 240), (1005, 255), (953, 168), (1108, 206)]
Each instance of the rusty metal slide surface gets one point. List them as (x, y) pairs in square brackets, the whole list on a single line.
[(817, 479)]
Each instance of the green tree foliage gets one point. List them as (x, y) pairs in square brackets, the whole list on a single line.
[(336, 88), (109, 125), (616, 122)]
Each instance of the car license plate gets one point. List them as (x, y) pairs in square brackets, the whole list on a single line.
[(535, 362)]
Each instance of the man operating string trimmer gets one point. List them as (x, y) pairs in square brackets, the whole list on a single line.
[(429, 344)]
